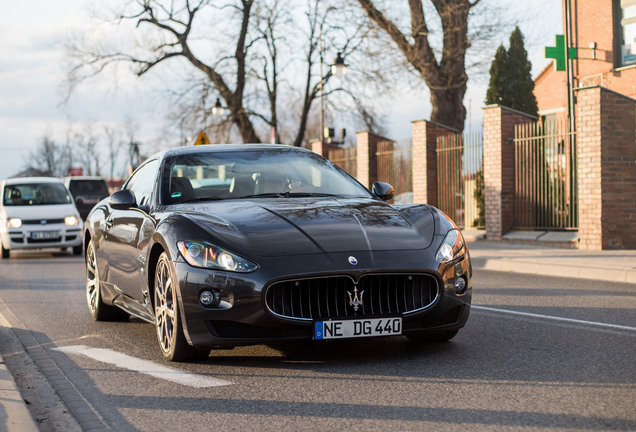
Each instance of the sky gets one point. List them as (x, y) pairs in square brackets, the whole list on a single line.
[(32, 72)]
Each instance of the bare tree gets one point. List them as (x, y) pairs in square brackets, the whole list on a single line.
[(323, 29), (445, 71), (172, 24), (114, 146), (84, 144), (50, 158), (273, 61)]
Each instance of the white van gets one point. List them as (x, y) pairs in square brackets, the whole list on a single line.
[(38, 213)]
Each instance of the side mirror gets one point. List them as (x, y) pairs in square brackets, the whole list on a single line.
[(122, 200), (79, 200), (383, 190)]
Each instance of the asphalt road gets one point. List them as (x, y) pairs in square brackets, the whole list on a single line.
[(538, 353)]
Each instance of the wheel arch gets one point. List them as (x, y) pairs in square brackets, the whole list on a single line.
[(87, 239), (153, 258)]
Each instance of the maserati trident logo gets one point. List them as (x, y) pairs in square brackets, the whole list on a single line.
[(354, 300), (353, 260)]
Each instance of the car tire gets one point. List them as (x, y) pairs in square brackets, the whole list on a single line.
[(98, 309), (77, 250), (6, 253), (432, 337), (170, 336)]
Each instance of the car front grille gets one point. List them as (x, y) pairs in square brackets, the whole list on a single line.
[(42, 221), (44, 241), (331, 297)]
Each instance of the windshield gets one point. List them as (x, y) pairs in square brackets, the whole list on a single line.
[(254, 174), (35, 194)]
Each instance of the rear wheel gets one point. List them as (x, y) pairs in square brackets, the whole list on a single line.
[(432, 337), (99, 311), (172, 341)]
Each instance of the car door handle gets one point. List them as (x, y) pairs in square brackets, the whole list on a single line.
[(108, 223)]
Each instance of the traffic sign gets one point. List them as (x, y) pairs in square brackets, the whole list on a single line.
[(202, 139)]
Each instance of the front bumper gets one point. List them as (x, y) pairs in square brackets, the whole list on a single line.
[(36, 237), (243, 317)]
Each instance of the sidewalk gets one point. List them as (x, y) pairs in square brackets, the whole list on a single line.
[(14, 414), (605, 265)]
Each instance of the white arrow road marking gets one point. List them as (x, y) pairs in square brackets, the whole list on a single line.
[(555, 318), (143, 366)]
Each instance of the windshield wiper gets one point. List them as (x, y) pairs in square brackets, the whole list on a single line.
[(290, 195), (202, 199), (311, 194), (266, 195)]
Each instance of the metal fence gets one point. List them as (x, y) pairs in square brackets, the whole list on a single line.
[(460, 178), (346, 159), (545, 176), (395, 166)]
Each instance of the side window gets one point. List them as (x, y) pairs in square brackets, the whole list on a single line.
[(142, 183), (627, 38)]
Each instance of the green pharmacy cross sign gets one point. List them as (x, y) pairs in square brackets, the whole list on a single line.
[(558, 53)]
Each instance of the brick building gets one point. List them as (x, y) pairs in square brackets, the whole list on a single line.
[(604, 33)]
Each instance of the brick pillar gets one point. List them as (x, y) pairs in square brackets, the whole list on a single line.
[(317, 147), (424, 146), (367, 165), (322, 149), (606, 169), (499, 171)]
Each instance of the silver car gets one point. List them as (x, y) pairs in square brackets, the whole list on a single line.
[(38, 213)]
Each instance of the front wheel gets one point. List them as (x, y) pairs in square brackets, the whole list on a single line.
[(98, 309), (77, 250), (172, 341), (6, 253)]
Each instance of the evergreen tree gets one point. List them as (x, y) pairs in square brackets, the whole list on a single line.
[(511, 82), (498, 78), (521, 84)]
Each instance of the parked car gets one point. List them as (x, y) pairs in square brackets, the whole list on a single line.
[(244, 244), (37, 213), (86, 191)]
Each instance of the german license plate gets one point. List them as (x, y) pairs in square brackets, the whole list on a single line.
[(39, 235), (357, 328)]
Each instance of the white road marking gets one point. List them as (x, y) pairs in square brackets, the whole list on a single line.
[(555, 318), (144, 366)]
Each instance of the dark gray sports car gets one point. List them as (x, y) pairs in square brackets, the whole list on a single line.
[(225, 245)]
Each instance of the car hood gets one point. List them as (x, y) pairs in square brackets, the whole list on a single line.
[(279, 227)]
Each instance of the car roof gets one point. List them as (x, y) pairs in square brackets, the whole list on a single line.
[(217, 148), (29, 180), (84, 178)]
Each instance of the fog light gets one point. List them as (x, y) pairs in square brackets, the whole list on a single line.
[(210, 298), (460, 285)]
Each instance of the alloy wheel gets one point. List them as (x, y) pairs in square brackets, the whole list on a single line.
[(165, 314), (92, 279)]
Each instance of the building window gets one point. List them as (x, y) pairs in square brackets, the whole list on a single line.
[(628, 32)]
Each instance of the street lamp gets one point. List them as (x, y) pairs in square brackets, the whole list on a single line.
[(338, 69), (218, 110)]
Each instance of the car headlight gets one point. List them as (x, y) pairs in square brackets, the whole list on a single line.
[(203, 254), (452, 247), (71, 220), (14, 222)]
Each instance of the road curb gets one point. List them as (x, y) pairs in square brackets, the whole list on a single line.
[(560, 270), (17, 417)]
